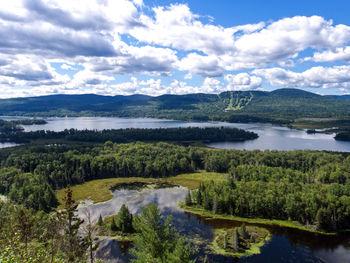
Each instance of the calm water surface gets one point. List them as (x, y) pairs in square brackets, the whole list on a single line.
[(286, 245), (270, 136)]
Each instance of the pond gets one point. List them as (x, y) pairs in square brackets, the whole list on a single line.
[(271, 137), (286, 245)]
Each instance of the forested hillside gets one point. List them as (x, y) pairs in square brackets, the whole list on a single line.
[(282, 106)]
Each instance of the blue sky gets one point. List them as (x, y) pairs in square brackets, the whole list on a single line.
[(113, 47)]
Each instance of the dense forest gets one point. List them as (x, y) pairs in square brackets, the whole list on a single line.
[(304, 186), (280, 106), (61, 236), (209, 134)]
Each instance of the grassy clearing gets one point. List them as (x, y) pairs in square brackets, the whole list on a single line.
[(260, 221), (193, 180), (99, 190)]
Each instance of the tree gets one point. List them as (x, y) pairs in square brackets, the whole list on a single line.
[(113, 225), (100, 220), (25, 225), (215, 205), (124, 220), (188, 199), (323, 219), (90, 239), (235, 240), (156, 241), (73, 243), (225, 240), (245, 233)]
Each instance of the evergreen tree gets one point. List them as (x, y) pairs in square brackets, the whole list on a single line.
[(188, 200), (100, 220), (156, 241), (73, 243), (124, 220), (113, 225)]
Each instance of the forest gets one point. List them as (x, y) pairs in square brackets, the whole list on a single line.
[(303, 186), (208, 134), (282, 106)]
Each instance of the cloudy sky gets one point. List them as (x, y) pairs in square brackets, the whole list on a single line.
[(112, 47)]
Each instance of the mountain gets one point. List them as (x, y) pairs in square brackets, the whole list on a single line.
[(283, 105), (340, 97)]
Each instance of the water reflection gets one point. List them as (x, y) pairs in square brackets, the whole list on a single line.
[(286, 245), (270, 136)]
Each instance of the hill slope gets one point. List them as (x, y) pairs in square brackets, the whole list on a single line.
[(283, 105)]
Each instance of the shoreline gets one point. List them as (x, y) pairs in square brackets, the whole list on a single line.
[(260, 221)]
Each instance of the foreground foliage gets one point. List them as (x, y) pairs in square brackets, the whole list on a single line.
[(157, 241)]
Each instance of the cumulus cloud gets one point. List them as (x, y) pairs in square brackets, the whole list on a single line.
[(315, 77), (242, 81), (338, 54), (205, 66), (101, 39)]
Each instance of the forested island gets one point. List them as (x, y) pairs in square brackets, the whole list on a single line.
[(208, 134)]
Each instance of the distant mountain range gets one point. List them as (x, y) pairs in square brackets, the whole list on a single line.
[(282, 105)]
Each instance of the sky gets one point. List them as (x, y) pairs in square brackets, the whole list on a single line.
[(124, 47)]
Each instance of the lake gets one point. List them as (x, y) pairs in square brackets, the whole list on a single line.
[(271, 137), (286, 245)]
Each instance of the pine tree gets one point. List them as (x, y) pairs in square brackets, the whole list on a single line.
[(100, 220), (124, 220), (90, 232), (156, 241), (113, 225), (188, 200), (73, 243)]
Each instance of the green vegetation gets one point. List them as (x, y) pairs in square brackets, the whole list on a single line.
[(28, 236), (100, 190), (11, 127), (260, 221), (280, 194), (157, 241), (302, 186), (209, 134), (283, 106), (240, 241)]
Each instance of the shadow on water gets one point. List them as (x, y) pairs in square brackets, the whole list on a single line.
[(286, 245)]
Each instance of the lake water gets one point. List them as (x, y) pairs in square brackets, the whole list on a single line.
[(271, 137), (286, 245)]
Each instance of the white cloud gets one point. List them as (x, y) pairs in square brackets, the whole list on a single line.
[(108, 38), (205, 66), (338, 54), (242, 81), (315, 77)]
